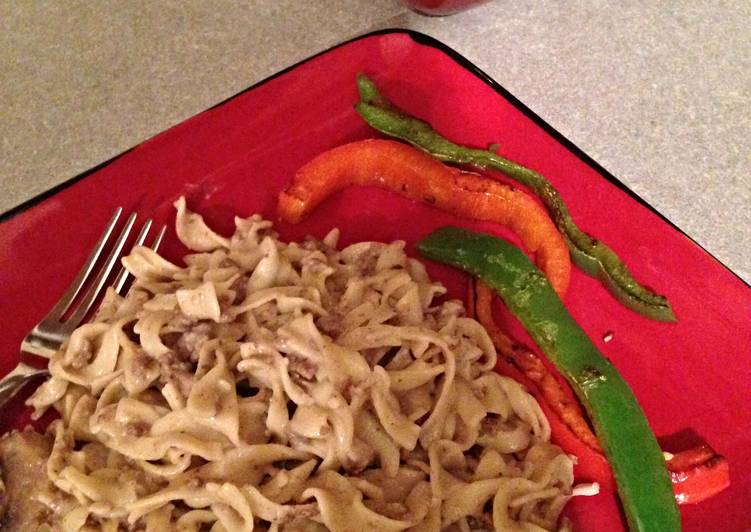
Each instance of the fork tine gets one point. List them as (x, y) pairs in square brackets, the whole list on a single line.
[(88, 300), (122, 275), (75, 287), (158, 239)]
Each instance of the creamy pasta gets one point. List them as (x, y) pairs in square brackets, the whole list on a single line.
[(287, 387)]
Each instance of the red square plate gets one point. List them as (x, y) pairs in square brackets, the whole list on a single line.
[(235, 158)]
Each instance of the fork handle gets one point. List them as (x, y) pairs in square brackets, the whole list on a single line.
[(17, 379)]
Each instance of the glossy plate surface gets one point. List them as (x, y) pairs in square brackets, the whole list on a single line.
[(690, 377)]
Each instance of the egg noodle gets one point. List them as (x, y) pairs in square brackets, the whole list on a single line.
[(288, 387)]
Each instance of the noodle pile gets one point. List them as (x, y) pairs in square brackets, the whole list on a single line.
[(290, 387)]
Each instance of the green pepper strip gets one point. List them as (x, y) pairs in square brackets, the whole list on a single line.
[(638, 464), (591, 255)]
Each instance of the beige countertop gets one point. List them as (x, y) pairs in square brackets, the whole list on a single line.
[(659, 93)]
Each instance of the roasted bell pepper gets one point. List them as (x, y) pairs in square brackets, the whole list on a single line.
[(592, 255), (698, 474), (514, 362), (560, 400), (411, 173), (621, 427)]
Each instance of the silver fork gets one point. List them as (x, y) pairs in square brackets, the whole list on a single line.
[(54, 330)]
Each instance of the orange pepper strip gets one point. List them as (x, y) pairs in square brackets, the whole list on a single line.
[(561, 403), (418, 176)]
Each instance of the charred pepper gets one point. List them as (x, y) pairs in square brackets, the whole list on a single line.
[(400, 168), (590, 254), (621, 427)]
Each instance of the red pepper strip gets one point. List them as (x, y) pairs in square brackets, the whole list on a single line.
[(471, 306), (559, 408), (412, 173), (561, 403), (698, 474), (591, 466)]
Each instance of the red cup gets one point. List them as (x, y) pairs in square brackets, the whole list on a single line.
[(439, 8)]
